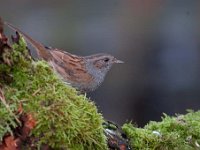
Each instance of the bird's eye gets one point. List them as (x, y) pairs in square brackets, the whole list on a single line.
[(106, 59)]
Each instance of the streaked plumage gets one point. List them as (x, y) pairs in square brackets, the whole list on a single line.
[(85, 73)]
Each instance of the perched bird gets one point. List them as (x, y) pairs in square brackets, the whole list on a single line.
[(85, 73)]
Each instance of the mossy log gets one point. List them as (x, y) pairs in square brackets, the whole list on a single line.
[(172, 133), (64, 118)]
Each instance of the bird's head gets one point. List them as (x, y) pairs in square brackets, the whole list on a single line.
[(100, 64)]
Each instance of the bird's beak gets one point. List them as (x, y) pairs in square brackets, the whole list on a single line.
[(118, 61)]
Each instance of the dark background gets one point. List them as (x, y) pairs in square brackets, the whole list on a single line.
[(157, 39)]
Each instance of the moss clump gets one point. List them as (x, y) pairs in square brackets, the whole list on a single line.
[(64, 118), (180, 132)]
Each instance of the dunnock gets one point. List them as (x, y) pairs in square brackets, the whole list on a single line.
[(85, 73)]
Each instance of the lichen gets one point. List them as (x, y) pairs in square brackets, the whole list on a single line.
[(179, 132), (64, 117)]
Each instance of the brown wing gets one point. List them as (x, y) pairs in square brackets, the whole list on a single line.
[(70, 67)]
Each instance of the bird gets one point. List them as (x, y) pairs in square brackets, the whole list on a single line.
[(85, 73)]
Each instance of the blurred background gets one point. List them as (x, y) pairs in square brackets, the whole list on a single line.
[(157, 39)]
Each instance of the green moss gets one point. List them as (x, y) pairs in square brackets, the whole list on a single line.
[(180, 132), (64, 117)]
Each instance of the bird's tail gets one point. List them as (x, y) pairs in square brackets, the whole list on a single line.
[(42, 52)]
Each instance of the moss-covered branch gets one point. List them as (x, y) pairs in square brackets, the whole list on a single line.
[(172, 133), (64, 118)]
